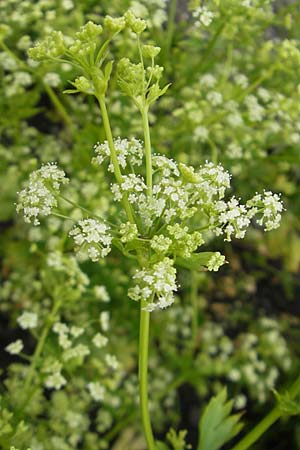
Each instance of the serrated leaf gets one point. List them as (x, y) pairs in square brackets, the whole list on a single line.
[(197, 261), (217, 426)]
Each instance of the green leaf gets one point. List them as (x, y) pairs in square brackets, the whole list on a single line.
[(217, 426), (197, 261), (164, 89), (108, 70), (70, 91), (287, 406)]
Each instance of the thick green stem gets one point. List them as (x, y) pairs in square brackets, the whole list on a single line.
[(148, 152), (143, 375), (266, 423), (113, 154)]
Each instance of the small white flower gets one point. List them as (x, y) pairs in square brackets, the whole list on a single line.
[(15, 347), (39, 197), (60, 328), (99, 340), (128, 152), (92, 238), (55, 381), (80, 351), (111, 361), (27, 320), (101, 294), (204, 16), (97, 391), (52, 79), (215, 262), (104, 320), (158, 282), (240, 401), (76, 331)]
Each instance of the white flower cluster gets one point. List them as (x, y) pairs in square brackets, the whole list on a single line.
[(99, 340), (165, 165), (270, 206), (133, 185), (27, 320), (15, 347), (66, 334), (54, 380), (179, 191), (101, 294), (216, 261), (129, 152), (92, 238), (96, 390), (156, 285), (232, 219), (204, 16), (39, 197)]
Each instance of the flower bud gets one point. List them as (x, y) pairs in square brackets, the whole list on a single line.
[(136, 25), (114, 24), (89, 31), (150, 51)]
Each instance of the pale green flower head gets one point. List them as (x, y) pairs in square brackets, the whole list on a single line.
[(114, 24), (89, 31), (51, 47), (135, 24), (150, 51)]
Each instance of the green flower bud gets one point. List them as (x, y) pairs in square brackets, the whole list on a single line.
[(82, 84), (114, 24), (150, 51), (128, 232), (136, 25), (52, 46), (216, 261), (188, 174), (89, 31), (156, 72)]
